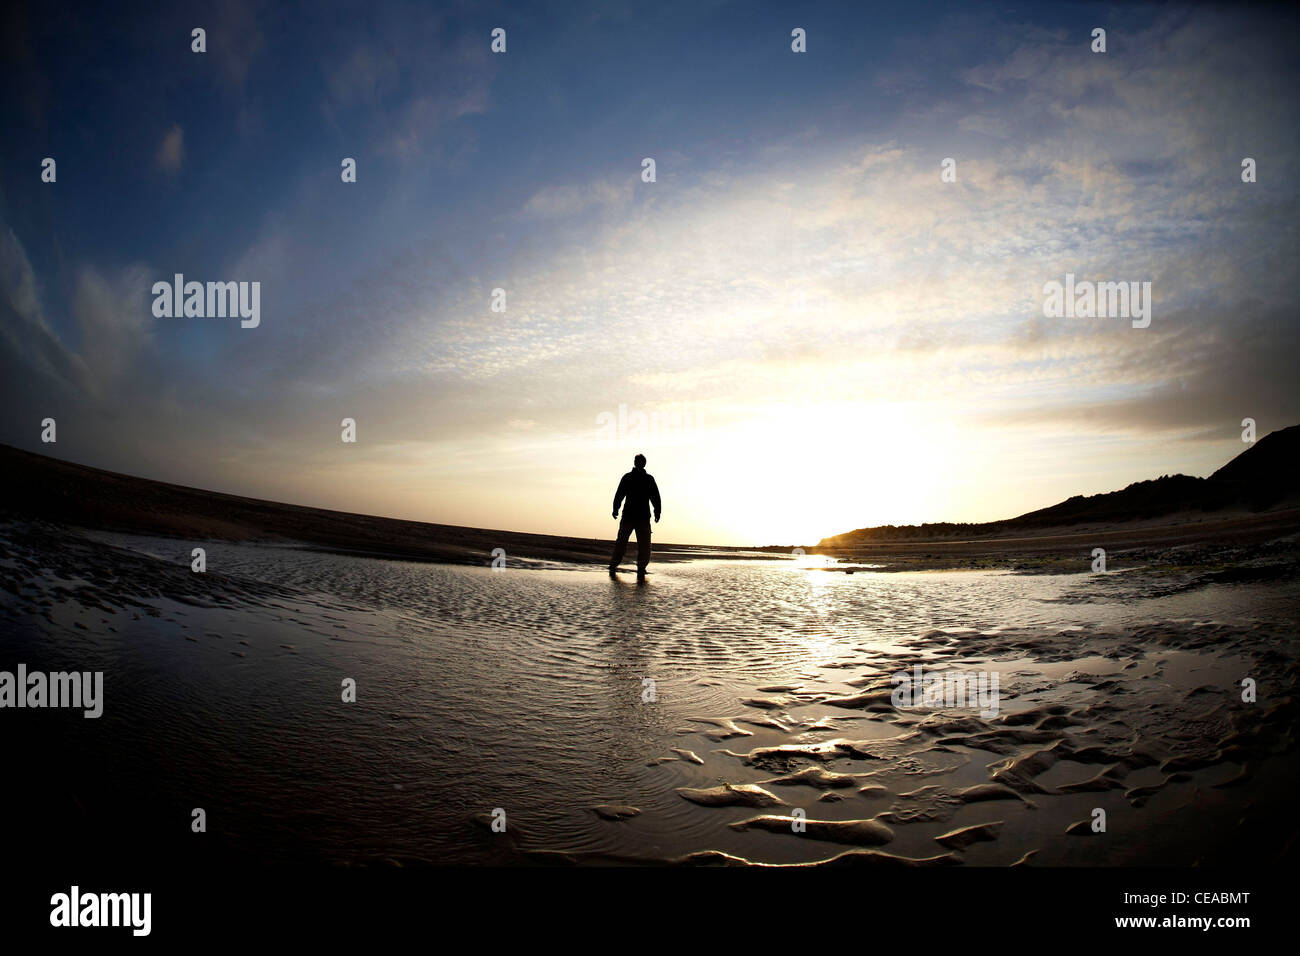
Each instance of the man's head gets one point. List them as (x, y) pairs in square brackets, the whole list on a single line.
[(639, 461)]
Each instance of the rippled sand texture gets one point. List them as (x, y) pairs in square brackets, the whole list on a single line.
[(727, 712)]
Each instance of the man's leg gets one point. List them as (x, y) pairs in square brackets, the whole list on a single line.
[(620, 544), (642, 546)]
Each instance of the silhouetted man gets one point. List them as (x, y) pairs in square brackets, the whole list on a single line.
[(640, 490)]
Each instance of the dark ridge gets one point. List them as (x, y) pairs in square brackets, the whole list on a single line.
[(1261, 477), (36, 486)]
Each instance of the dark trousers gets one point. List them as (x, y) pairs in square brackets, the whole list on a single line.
[(642, 528)]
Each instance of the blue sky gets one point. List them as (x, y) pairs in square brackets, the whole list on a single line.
[(798, 300)]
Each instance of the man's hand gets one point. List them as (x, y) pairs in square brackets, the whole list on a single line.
[(615, 512), (656, 517)]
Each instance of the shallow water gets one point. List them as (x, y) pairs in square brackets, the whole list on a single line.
[(523, 689)]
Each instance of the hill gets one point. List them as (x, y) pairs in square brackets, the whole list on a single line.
[(46, 488), (1263, 476)]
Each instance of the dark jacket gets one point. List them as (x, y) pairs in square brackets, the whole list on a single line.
[(640, 490)]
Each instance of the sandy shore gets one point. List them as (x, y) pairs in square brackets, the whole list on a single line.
[(815, 765), (1111, 748)]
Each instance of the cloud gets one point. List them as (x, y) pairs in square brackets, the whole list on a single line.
[(551, 202), (400, 83), (367, 76), (236, 39), (29, 341), (417, 122), (171, 151), (115, 324), (88, 378), (907, 286)]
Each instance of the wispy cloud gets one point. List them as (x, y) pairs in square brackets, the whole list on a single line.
[(570, 200), (171, 151)]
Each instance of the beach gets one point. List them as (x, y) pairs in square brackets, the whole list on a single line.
[(733, 710)]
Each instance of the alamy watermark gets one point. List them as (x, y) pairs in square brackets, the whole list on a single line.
[(1098, 300), (636, 426), (946, 689), (36, 689), (213, 300), (75, 908)]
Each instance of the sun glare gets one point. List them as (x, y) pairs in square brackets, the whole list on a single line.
[(798, 474)]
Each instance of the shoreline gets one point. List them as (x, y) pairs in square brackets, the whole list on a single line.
[(80, 496)]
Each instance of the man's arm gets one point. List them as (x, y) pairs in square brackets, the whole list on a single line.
[(654, 497), (620, 494)]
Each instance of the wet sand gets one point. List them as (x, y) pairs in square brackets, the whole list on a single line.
[(772, 739)]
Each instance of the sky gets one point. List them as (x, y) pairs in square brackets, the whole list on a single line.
[(799, 322)]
